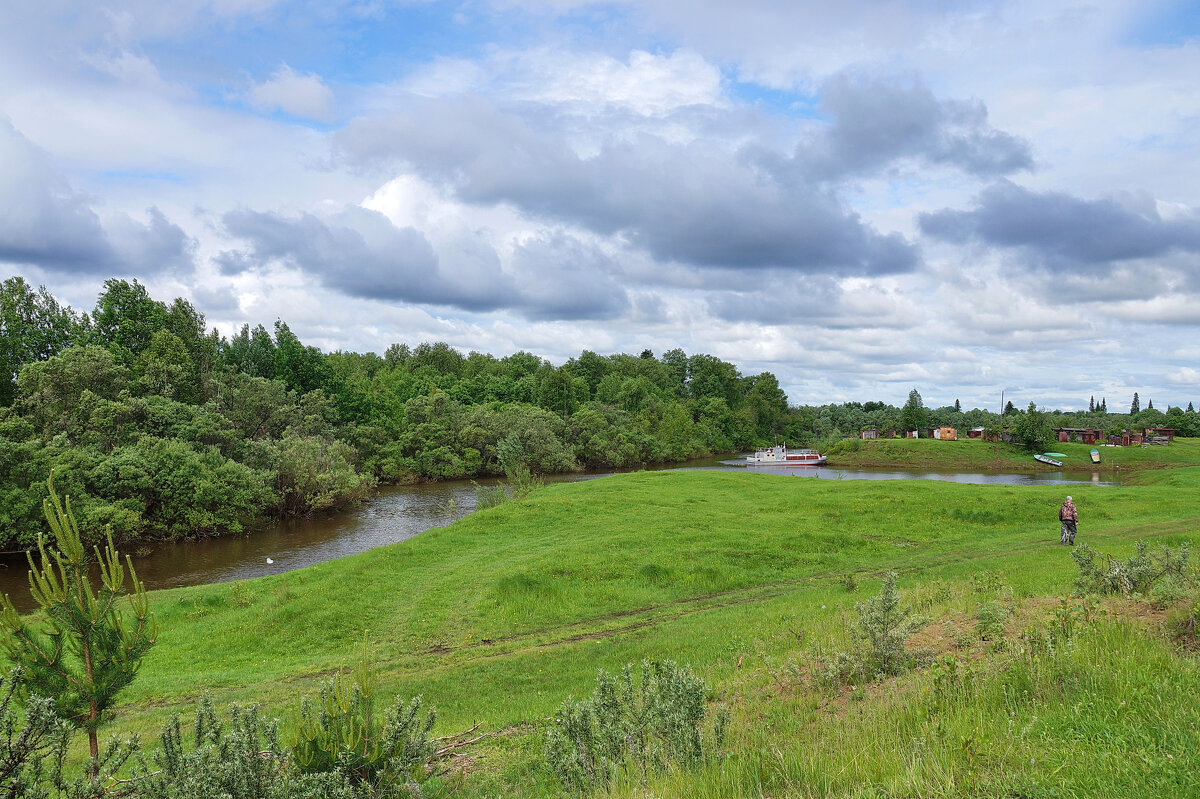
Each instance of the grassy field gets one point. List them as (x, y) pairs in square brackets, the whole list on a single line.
[(501, 616), (973, 455)]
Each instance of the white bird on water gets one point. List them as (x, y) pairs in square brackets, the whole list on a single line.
[(270, 561)]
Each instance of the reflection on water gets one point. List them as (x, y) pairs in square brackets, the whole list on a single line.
[(395, 513)]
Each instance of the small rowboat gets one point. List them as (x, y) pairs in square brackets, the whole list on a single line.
[(1095, 456), (1047, 459)]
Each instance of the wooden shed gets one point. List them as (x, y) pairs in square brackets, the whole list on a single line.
[(1087, 435)]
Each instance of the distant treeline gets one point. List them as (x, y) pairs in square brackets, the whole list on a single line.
[(161, 428), (835, 421)]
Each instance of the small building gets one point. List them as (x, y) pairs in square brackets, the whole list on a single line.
[(870, 433), (1160, 432), (1126, 438), (1086, 435), (1005, 435), (945, 433), (975, 432)]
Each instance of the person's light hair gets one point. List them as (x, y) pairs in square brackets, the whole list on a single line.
[(1068, 497)]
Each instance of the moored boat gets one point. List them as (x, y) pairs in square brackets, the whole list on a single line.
[(782, 456), (1095, 456), (1047, 459)]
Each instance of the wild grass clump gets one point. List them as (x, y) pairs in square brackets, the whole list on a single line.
[(519, 480), (490, 496), (633, 727)]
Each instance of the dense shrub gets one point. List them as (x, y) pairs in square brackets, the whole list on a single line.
[(244, 761), (321, 428), (311, 473), (173, 486)]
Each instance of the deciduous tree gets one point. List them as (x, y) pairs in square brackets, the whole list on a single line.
[(913, 415), (1032, 429), (33, 327)]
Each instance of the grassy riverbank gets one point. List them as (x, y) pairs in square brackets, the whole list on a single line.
[(499, 617), (973, 455)]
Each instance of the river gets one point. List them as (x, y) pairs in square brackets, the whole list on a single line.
[(395, 513)]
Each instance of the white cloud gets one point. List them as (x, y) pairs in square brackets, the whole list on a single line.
[(1184, 376), (304, 96), (593, 83), (647, 83)]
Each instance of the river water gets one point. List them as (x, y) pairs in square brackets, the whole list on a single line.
[(395, 513)]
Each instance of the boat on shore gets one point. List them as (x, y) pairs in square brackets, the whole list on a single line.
[(1095, 456), (782, 456), (1047, 459)]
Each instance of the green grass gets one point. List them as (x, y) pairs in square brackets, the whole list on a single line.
[(973, 455), (499, 617)]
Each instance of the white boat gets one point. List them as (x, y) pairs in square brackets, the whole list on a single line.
[(782, 456)]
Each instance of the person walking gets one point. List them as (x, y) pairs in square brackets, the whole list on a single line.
[(1068, 516)]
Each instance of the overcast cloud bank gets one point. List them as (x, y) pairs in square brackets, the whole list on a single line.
[(860, 199)]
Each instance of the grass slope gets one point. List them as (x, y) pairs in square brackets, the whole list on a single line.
[(973, 455), (502, 615)]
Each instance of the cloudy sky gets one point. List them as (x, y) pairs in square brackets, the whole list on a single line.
[(861, 197)]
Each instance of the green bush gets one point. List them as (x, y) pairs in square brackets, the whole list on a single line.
[(876, 642), (341, 732), (882, 628), (843, 668), (244, 761), (312, 473), (635, 727), (990, 618), (1138, 574), (29, 741)]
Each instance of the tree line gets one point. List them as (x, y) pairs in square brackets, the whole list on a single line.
[(838, 420), (161, 427)]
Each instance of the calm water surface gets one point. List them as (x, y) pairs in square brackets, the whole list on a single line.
[(395, 513)]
